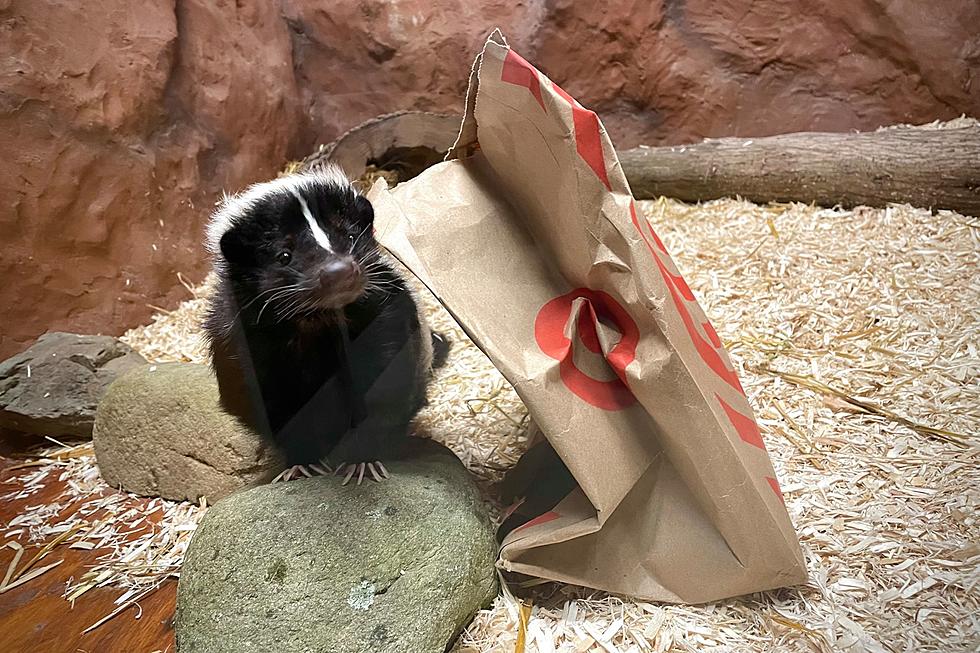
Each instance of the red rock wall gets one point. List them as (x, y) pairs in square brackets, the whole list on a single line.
[(120, 123)]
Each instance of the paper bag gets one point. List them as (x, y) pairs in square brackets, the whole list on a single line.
[(530, 238)]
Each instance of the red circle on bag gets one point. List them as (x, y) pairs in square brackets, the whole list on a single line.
[(549, 332)]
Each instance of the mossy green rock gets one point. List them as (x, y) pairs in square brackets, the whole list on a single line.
[(160, 431), (314, 566)]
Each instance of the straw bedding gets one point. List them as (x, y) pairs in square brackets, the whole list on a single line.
[(855, 334)]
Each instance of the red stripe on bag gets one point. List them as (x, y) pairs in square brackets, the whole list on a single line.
[(708, 353), (588, 140), (519, 72), (653, 233), (679, 283), (540, 519), (774, 484), (712, 334), (746, 426)]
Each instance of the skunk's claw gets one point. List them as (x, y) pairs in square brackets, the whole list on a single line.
[(374, 469), (303, 471)]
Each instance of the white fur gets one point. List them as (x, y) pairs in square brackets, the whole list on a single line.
[(318, 235), (232, 208)]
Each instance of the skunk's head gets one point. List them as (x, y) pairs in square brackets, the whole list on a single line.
[(296, 246)]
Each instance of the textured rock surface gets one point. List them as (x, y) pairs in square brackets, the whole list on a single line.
[(676, 72), (312, 565), (54, 387), (120, 121), (160, 431)]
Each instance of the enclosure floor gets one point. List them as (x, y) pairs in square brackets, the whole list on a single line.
[(35, 618), (856, 336)]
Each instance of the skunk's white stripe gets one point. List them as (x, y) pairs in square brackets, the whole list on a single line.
[(318, 234)]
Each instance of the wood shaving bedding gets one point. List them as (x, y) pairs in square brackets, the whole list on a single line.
[(880, 306)]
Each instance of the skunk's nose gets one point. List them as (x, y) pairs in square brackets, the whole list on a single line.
[(338, 272)]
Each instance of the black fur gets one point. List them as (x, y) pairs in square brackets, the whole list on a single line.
[(440, 350), (319, 370)]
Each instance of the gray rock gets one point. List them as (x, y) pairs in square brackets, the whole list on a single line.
[(314, 566), (53, 388), (160, 431)]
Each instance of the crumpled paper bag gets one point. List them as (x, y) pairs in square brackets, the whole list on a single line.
[(529, 236)]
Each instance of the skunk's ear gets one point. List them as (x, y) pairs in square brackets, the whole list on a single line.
[(363, 210), (233, 247)]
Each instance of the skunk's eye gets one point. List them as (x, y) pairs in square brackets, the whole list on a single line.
[(284, 257)]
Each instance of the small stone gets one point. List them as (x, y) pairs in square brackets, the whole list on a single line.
[(54, 387), (312, 565), (160, 431)]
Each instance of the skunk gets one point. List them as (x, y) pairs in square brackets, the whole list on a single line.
[(316, 341)]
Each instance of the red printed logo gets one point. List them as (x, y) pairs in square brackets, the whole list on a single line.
[(549, 331)]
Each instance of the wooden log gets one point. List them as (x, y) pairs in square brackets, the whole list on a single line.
[(930, 168)]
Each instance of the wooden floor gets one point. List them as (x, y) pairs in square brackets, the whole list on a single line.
[(35, 618)]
